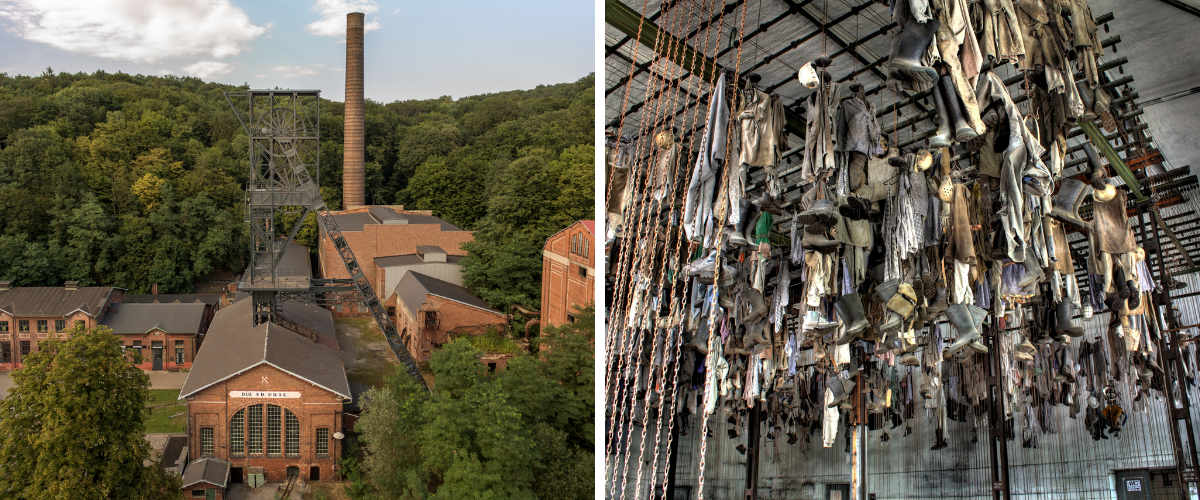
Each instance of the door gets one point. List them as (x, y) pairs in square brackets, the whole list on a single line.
[(1133, 485), (156, 349), (210, 494), (837, 491), (314, 473), (235, 475)]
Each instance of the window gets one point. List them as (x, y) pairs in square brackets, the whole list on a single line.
[(586, 247), (3, 327), (42, 326), (254, 430), (60, 325), (139, 356), (273, 430), (206, 441), (198, 493), (237, 436), (322, 443), (5, 352), (574, 243), (23, 326), (293, 435), (582, 272), (179, 352), (24, 348)]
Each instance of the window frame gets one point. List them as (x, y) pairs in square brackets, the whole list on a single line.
[(322, 442), (43, 326), (237, 434), (4, 326), (23, 326), (207, 442), (26, 347), (179, 354), (274, 431), (291, 435), (60, 325), (251, 430)]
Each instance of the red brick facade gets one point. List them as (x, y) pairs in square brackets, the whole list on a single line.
[(19, 333), (452, 317), (316, 408), (384, 240), (568, 272), (174, 347)]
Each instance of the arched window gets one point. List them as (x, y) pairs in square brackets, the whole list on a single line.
[(280, 428)]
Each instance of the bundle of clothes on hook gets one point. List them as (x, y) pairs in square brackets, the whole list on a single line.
[(905, 257)]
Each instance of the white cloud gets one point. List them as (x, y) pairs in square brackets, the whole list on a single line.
[(142, 31), (290, 71), (333, 16), (208, 69)]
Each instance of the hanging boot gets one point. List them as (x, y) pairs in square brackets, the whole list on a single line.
[(850, 309), (908, 47), (699, 343), (1066, 203), (820, 243), (1097, 175), (939, 303), (737, 235), (1033, 272), (1025, 351), (814, 321), (758, 307), (960, 316), (978, 314), (1066, 321), (837, 389), (1121, 283), (958, 122), (768, 204), (942, 138), (819, 217), (857, 174), (1088, 96), (755, 334)]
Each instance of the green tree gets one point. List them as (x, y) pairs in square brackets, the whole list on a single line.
[(72, 425), (521, 433)]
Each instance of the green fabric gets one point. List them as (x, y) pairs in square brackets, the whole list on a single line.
[(762, 230)]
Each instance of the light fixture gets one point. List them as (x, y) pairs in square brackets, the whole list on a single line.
[(338, 435)]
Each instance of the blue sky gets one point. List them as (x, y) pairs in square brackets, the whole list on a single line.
[(414, 49)]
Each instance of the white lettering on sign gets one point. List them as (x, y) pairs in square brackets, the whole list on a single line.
[(1133, 485), (265, 394)]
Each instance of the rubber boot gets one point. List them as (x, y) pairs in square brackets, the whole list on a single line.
[(1066, 203), (755, 334), (1025, 351), (958, 121), (1088, 96), (960, 316), (837, 386), (857, 174), (1121, 283), (699, 343), (1065, 370), (820, 243), (850, 309), (904, 63), (1066, 321), (942, 138), (1097, 175), (751, 224), (737, 236), (939, 304), (707, 264), (758, 307), (814, 321), (1033, 272), (977, 316), (768, 204)]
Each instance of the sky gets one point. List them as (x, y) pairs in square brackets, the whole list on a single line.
[(413, 49)]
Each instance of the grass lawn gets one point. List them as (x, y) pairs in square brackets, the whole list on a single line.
[(168, 419)]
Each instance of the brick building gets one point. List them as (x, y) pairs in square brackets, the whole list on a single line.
[(29, 315), (166, 335), (266, 399), (385, 231), (206, 478), (429, 312), (568, 272)]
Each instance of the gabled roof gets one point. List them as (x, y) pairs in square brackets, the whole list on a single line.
[(207, 470), (141, 318), (47, 301), (414, 286), (211, 299), (234, 345), (590, 225)]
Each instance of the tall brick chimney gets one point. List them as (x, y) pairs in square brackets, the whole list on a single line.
[(353, 194)]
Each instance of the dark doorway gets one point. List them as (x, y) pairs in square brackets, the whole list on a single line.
[(293, 471), (235, 475), (156, 348), (1133, 484), (314, 473), (837, 491)]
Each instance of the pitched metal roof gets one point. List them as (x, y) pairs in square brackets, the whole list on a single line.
[(141, 318), (414, 286), (207, 470), (53, 301), (211, 299), (590, 225), (234, 345), (412, 259)]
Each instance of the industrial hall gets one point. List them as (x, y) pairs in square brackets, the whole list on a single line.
[(901, 249)]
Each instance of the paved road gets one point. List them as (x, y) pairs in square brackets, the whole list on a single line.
[(158, 380)]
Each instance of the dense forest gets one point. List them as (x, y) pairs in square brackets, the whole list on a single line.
[(132, 180)]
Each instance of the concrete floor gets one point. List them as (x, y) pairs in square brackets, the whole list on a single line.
[(264, 492)]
